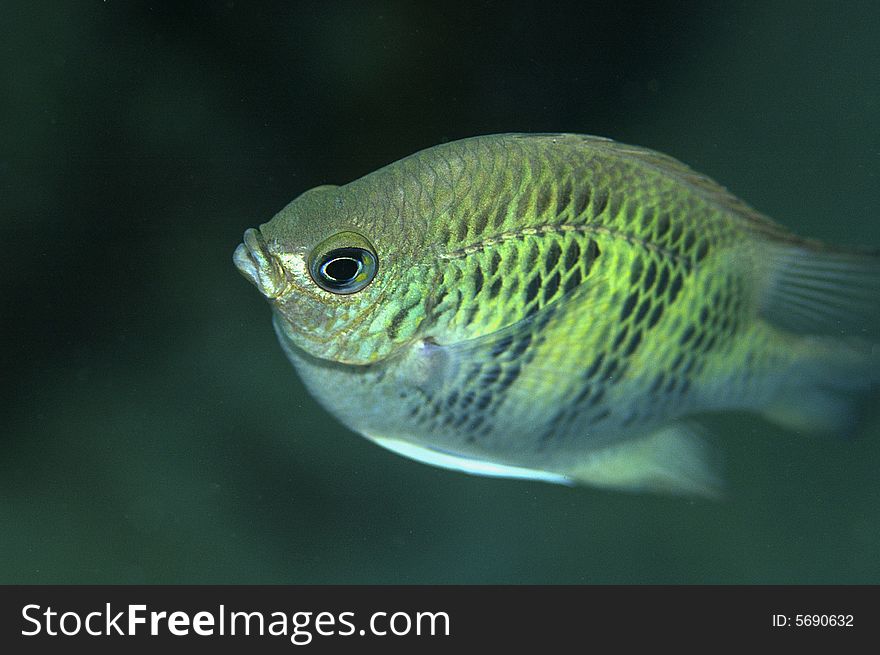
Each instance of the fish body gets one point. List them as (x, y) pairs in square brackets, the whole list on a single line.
[(558, 307)]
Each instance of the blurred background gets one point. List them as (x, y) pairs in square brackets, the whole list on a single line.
[(152, 430)]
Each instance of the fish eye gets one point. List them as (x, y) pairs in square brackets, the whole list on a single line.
[(345, 263)]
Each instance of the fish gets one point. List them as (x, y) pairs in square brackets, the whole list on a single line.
[(563, 308)]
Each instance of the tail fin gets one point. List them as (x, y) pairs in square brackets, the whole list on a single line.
[(832, 298), (826, 386)]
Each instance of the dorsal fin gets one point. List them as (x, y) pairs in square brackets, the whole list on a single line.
[(813, 290), (701, 184)]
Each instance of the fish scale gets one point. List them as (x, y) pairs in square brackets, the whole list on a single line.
[(558, 307)]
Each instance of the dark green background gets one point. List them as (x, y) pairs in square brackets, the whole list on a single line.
[(152, 430)]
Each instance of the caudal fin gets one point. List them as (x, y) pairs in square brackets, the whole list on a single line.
[(832, 299), (827, 386)]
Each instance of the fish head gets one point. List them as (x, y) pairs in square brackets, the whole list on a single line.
[(347, 275)]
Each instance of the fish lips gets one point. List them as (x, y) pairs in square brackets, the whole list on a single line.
[(256, 263)]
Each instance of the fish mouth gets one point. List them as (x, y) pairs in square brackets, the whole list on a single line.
[(253, 259)]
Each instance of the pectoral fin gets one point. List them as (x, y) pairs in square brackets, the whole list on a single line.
[(672, 460)]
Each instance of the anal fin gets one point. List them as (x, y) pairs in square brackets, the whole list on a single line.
[(674, 459)]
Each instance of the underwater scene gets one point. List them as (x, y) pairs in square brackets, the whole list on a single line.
[(471, 293)]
